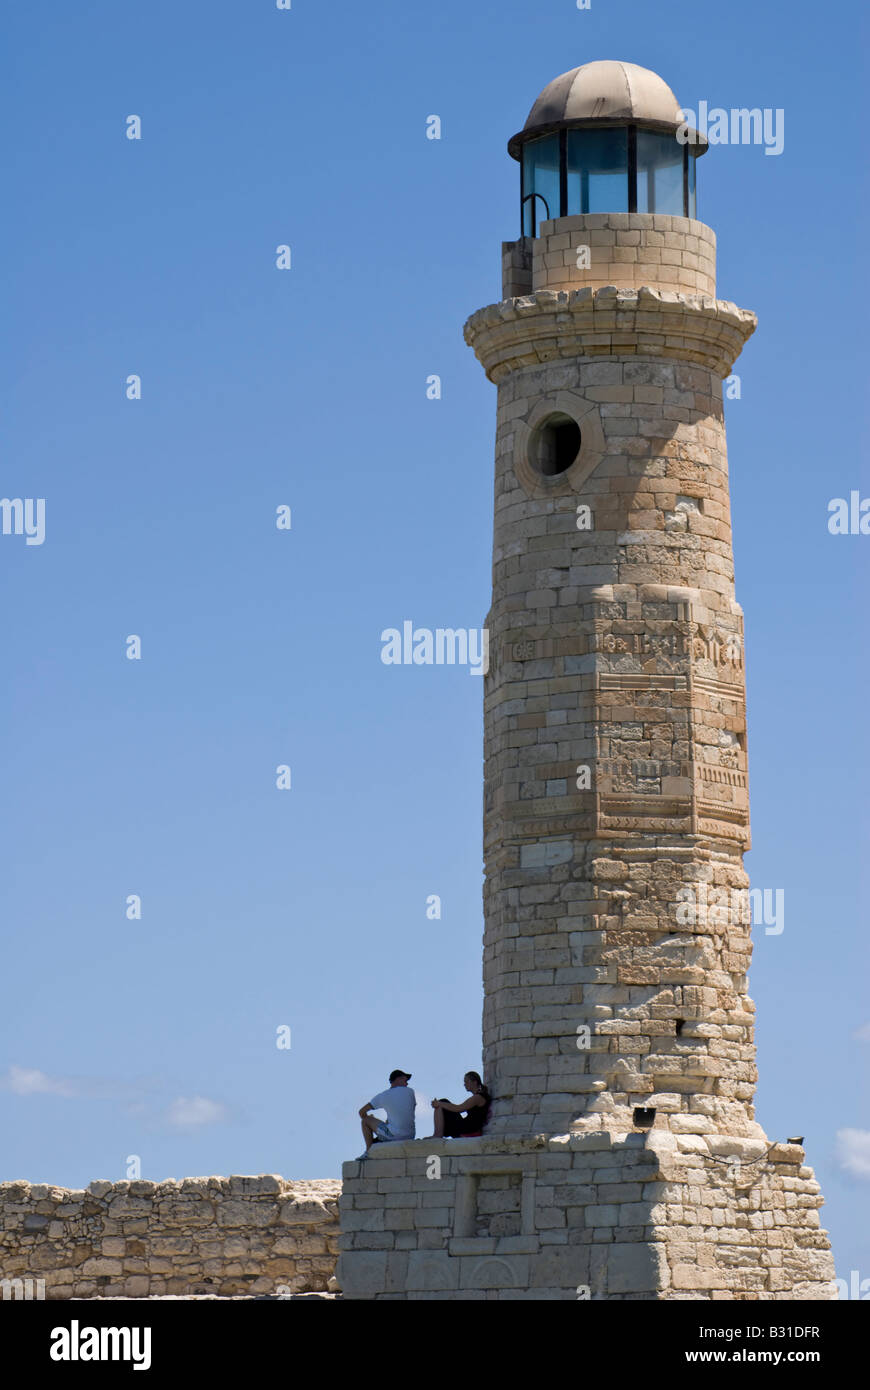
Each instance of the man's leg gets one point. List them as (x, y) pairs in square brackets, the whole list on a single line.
[(368, 1128), (439, 1122)]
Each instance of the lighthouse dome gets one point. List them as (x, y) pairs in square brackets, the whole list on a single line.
[(604, 91)]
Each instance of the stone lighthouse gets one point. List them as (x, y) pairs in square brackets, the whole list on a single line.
[(622, 1159)]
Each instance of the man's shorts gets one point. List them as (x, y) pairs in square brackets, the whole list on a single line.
[(382, 1132)]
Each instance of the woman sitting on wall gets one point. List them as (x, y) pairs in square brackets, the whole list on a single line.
[(466, 1119)]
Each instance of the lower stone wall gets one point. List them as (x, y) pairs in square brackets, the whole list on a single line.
[(228, 1236), (603, 1216)]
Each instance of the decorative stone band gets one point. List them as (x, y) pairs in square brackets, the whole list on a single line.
[(609, 322)]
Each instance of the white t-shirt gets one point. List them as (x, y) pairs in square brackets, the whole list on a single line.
[(400, 1104)]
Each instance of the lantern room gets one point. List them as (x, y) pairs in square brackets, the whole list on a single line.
[(606, 137)]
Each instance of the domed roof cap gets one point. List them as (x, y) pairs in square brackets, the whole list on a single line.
[(604, 93)]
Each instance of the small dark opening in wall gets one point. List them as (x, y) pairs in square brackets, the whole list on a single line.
[(644, 1117), (555, 445), (681, 1022)]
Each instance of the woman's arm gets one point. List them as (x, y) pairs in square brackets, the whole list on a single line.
[(469, 1103)]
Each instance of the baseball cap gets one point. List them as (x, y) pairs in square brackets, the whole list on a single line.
[(399, 1072)]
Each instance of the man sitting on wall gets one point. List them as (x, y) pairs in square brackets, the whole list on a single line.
[(400, 1103)]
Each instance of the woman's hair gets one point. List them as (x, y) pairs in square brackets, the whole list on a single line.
[(484, 1091)]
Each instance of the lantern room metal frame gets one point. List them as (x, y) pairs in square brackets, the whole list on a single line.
[(693, 147)]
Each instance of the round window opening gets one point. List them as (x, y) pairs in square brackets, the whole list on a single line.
[(555, 445)]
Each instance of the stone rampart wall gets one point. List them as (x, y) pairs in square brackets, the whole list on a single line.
[(228, 1236)]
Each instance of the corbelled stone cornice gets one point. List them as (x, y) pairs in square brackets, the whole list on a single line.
[(608, 322)]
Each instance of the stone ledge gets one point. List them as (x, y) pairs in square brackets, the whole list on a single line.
[(610, 322)]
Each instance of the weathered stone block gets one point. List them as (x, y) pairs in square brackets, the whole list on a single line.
[(304, 1212), (636, 1268), (241, 1213), (362, 1273), (432, 1271)]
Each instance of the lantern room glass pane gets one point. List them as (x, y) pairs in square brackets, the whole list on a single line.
[(540, 177), (693, 199), (659, 173), (598, 170)]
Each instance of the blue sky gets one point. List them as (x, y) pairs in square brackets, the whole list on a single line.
[(260, 647)]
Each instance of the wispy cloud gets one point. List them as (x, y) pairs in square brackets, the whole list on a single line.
[(195, 1112), (862, 1033), (139, 1097), (853, 1152), (30, 1081)]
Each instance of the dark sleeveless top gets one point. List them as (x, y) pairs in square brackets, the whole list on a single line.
[(478, 1115)]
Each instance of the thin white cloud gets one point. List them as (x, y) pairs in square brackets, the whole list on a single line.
[(853, 1152), (862, 1033), (195, 1112), (138, 1097), (30, 1081)]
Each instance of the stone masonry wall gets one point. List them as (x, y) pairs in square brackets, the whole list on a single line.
[(622, 1159), (629, 249), (618, 647), (226, 1236), (600, 1216)]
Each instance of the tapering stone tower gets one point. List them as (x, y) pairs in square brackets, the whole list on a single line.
[(622, 1157), (616, 791)]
